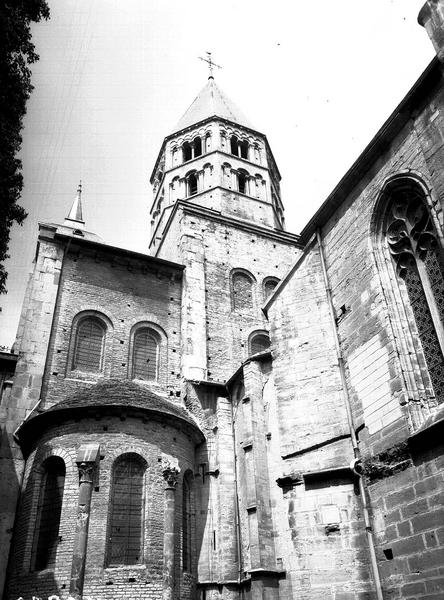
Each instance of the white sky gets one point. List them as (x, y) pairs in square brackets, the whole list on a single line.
[(318, 78)]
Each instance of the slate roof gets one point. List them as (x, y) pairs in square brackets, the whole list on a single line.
[(211, 102), (111, 395), (75, 233)]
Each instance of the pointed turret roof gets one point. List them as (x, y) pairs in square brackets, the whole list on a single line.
[(74, 225), (75, 216), (211, 102)]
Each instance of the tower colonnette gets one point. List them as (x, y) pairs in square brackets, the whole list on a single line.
[(216, 159)]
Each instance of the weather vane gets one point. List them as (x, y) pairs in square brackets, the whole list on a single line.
[(211, 64)]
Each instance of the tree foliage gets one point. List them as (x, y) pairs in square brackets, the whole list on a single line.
[(17, 52)]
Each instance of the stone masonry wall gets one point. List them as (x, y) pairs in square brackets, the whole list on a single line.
[(317, 511), (34, 331), (368, 325), (215, 481), (214, 247), (384, 368)]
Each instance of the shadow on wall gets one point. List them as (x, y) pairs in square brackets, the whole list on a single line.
[(10, 486), (30, 569), (202, 402)]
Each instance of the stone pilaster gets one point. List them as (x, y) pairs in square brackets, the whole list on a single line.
[(264, 572), (87, 458), (170, 473)]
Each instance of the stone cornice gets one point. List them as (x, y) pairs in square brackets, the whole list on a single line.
[(208, 213)]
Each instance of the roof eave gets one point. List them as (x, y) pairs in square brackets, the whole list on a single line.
[(199, 124), (117, 250), (32, 428), (428, 80)]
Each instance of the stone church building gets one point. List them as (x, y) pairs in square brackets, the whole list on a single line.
[(242, 412)]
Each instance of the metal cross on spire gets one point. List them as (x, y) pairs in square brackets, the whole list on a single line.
[(211, 64)]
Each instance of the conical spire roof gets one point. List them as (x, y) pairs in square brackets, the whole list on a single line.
[(75, 216), (212, 102)]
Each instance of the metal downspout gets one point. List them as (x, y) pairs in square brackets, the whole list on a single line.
[(347, 404)]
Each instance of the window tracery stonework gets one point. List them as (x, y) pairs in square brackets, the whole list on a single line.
[(410, 232), (414, 248)]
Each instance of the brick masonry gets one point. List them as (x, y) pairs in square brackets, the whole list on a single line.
[(115, 436)]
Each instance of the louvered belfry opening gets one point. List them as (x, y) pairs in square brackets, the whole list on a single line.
[(48, 514), (242, 291), (192, 184), (243, 147), (88, 350), (234, 145), (197, 147), (259, 343), (242, 182), (127, 511), (187, 152), (145, 362), (417, 256)]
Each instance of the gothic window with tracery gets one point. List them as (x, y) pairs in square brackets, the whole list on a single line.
[(242, 291), (125, 539), (48, 514), (89, 345), (416, 254)]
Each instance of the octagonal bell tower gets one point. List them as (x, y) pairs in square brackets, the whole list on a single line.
[(216, 159), (217, 210)]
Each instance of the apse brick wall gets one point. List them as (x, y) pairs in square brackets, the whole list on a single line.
[(126, 291), (115, 436)]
